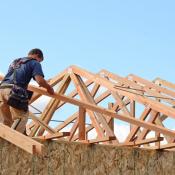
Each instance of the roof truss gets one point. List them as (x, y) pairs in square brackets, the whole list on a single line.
[(101, 102)]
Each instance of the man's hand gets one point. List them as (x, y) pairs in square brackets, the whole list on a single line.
[(43, 83), (50, 90)]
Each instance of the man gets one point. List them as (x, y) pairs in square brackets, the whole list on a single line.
[(31, 68)]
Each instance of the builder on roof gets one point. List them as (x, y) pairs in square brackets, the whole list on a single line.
[(13, 89)]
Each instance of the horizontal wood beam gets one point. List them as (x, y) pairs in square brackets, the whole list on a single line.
[(104, 139), (167, 146), (146, 141), (52, 136)]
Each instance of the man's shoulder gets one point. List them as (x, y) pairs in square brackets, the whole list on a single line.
[(30, 61)]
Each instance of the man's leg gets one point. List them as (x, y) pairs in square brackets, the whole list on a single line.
[(20, 119), (5, 115)]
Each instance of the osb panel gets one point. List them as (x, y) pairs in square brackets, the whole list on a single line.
[(64, 158)]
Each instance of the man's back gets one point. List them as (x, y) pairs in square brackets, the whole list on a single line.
[(24, 72)]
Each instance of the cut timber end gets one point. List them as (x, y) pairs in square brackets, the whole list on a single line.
[(20, 140)]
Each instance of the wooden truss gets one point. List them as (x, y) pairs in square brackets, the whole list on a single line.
[(90, 108)]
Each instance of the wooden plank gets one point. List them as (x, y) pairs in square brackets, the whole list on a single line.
[(20, 140)]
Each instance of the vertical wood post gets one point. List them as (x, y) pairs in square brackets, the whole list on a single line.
[(111, 122), (81, 124), (132, 111)]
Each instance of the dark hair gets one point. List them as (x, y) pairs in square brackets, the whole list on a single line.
[(36, 51)]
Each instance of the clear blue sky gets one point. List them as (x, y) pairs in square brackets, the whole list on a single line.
[(121, 36)]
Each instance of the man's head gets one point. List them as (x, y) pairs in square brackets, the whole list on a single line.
[(36, 54)]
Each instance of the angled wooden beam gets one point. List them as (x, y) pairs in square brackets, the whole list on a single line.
[(135, 129), (158, 122), (21, 140), (133, 86), (41, 123), (87, 83), (67, 122), (121, 103), (124, 81), (152, 85), (73, 130), (164, 83), (74, 93), (144, 132)]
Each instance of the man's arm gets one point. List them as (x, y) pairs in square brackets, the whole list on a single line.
[(43, 83)]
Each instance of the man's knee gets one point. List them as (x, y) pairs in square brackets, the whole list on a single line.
[(18, 114)]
